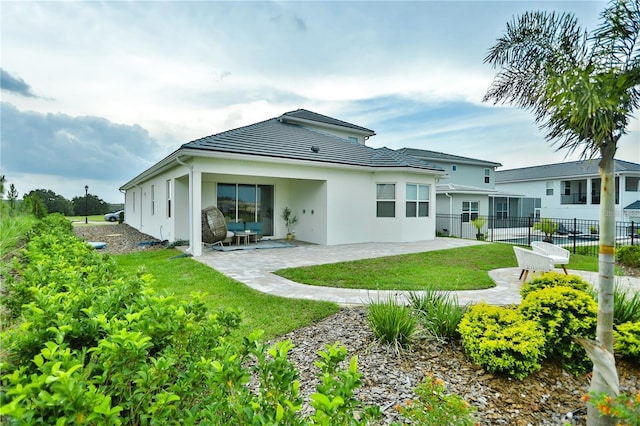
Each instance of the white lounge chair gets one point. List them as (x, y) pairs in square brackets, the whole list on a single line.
[(559, 255), (531, 261)]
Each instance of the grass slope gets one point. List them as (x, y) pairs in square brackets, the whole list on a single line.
[(182, 276)]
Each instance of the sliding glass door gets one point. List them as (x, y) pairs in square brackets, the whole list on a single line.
[(247, 203)]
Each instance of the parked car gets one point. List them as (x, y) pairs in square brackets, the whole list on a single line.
[(113, 217)]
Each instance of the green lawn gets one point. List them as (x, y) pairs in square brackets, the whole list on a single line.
[(460, 268), (182, 276), (79, 220), (452, 269)]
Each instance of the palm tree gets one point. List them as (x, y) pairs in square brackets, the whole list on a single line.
[(582, 89)]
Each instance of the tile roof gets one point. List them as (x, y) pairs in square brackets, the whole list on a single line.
[(633, 206), (441, 156), (559, 170), (277, 139), (319, 118)]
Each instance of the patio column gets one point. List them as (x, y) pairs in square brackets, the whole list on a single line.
[(195, 201)]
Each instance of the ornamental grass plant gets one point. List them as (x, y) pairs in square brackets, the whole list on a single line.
[(391, 323)]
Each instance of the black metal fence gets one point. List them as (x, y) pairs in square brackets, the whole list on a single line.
[(577, 235)]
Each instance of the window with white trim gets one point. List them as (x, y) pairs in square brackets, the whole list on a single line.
[(454, 167), (169, 197), (487, 175), (470, 210), (549, 188), (153, 200), (386, 200), (417, 204)]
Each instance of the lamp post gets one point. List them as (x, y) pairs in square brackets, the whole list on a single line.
[(86, 204)]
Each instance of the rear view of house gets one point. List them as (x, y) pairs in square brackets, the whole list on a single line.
[(341, 190)]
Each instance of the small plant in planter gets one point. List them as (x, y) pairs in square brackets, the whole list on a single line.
[(548, 228), (289, 220), (593, 229), (479, 223)]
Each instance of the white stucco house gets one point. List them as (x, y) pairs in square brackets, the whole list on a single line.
[(572, 189), (464, 193), (341, 190)]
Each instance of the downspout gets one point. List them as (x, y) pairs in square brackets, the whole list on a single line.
[(450, 212), (191, 231)]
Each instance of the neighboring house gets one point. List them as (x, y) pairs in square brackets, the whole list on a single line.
[(572, 190), (466, 193), (341, 190)]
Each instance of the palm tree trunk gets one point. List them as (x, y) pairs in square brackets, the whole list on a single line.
[(606, 268)]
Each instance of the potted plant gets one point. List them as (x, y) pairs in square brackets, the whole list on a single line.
[(593, 229), (289, 220), (479, 223), (548, 228)]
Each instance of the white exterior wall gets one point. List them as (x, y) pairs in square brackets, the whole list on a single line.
[(333, 205), (551, 204)]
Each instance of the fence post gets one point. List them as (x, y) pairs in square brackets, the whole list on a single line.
[(529, 230), (633, 232), (575, 235)]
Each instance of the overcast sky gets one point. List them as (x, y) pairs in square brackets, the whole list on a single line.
[(93, 93)]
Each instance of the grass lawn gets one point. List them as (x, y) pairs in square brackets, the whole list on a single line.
[(462, 268), (79, 220), (182, 276)]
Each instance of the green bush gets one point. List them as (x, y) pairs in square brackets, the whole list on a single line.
[(391, 323), (435, 406), (439, 312), (88, 344), (628, 256), (554, 279), (501, 340), (626, 339), (561, 313), (626, 303)]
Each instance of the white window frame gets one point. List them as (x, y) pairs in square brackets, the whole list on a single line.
[(470, 213), (385, 199), (549, 190), (153, 200), (169, 189), (487, 175), (418, 199)]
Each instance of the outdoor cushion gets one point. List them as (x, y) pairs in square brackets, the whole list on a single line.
[(254, 227), (235, 226)]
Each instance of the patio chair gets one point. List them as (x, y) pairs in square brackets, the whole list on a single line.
[(559, 255), (530, 261), (214, 227)]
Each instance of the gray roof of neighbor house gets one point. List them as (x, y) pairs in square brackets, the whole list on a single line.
[(561, 170), (449, 158), (277, 138), (633, 206)]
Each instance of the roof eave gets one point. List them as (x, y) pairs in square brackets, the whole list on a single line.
[(297, 120)]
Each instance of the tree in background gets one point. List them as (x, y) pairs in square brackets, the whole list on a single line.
[(94, 205), (12, 196), (32, 204), (3, 179), (583, 89), (55, 203)]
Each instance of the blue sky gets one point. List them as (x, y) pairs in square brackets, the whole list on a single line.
[(93, 93)]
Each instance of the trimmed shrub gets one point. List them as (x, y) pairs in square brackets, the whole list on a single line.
[(628, 256), (554, 279), (439, 313), (501, 340), (392, 323), (563, 312), (626, 340)]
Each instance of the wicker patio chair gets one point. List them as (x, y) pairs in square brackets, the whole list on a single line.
[(214, 227)]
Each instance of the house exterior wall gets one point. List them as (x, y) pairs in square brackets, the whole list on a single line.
[(334, 205), (552, 205), (467, 174)]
